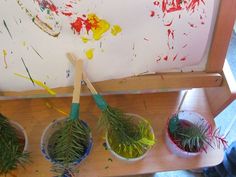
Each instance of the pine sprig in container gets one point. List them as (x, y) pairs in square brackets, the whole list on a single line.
[(66, 142), (129, 136), (189, 134), (13, 146)]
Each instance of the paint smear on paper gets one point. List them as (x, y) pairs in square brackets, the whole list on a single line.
[(116, 29), (27, 70), (39, 83), (84, 39), (36, 52), (97, 25), (89, 54), (92, 23), (4, 58)]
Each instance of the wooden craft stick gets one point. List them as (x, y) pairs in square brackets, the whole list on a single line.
[(73, 60), (77, 81)]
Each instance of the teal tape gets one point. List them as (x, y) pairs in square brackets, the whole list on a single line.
[(74, 111), (101, 103)]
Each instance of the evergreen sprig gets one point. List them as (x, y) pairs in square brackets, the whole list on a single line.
[(193, 137), (128, 138), (68, 145), (11, 150)]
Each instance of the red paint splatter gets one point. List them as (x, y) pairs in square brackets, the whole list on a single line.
[(156, 3), (169, 24), (67, 13), (175, 57), (77, 25), (192, 25), (69, 5), (193, 4), (165, 58), (152, 13), (183, 59), (202, 23), (45, 4), (171, 33)]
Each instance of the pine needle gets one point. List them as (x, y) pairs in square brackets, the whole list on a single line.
[(11, 150), (68, 145), (126, 137)]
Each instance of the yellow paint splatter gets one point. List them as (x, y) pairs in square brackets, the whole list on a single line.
[(98, 26), (24, 43), (55, 108), (4, 57), (89, 53), (39, 83), (115, 30), (84, 39)]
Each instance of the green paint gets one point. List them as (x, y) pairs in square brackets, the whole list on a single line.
[(74, 113), (101, 103)]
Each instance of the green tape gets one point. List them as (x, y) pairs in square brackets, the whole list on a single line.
[(101, 103), (74, 111)]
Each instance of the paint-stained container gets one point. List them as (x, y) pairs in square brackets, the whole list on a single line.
[(49, 131)]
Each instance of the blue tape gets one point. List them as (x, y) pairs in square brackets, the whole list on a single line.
[(74, 111), (101, 103)]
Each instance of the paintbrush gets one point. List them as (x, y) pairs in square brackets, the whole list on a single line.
[(118, 123), (73, 139)]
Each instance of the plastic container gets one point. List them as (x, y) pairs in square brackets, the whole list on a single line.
[(191, 117), (50, 130), (20, 131), (124, 158)]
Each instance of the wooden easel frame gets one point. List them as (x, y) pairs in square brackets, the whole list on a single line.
[(211, 77)]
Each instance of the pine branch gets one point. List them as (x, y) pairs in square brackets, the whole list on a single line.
[(126, 137), (11, 149), (69, 144)]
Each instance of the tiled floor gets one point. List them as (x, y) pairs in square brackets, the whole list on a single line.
[(225, 120)]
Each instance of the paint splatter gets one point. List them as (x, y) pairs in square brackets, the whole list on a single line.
[(27, 70), (36, 52), (89, 54), (175, 57), (4, 58), (193, 4), (39, 83), (115, 30), (146, 39), (165, 58), (5, 25), (84, 39), (77, 24), (55, 108), (183, 59), (152, 13), (97, 25), (192, 25), (92, 23), (68, 14), (169, 24)]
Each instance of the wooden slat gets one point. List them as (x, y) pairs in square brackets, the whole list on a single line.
[(34, 116), (222, 34), (157, 82), (219, 98)]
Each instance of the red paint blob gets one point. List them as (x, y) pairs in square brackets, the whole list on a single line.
[(77, 25), (152, 13)]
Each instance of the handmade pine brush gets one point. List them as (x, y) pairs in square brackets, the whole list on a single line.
[(131, 138), (73, 139)]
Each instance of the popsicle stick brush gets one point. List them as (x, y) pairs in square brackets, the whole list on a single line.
[(72, 140), (129, 136)]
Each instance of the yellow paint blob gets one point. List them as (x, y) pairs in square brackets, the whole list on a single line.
[(4, 57), (115, 30), (39, 83), (98, 26), (89, 54), (84, 39)]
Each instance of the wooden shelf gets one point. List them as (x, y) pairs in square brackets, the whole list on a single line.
[(34, 116)]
